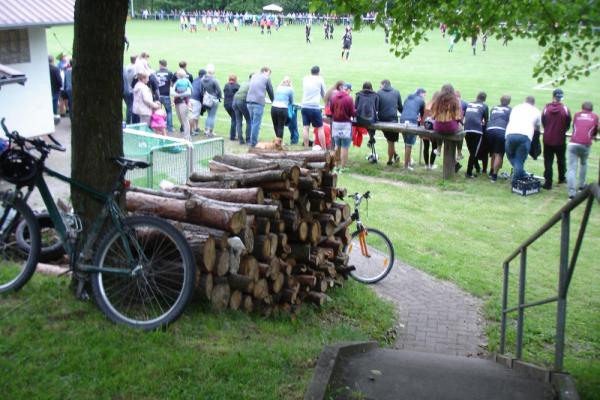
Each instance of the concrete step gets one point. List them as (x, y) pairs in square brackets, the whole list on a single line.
[(385, 374)]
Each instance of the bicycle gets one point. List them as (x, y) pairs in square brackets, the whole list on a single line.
[(370, 251), (142, 272)]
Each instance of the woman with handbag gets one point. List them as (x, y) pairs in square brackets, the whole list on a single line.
[(283, 98), (211, 96)]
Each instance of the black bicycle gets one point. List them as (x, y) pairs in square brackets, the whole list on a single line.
[(370, 251), (142, 272)]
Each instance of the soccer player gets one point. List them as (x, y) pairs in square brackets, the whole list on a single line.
[(307, 32), (347, 42)]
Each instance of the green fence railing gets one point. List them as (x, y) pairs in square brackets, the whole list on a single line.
[(171, 159)]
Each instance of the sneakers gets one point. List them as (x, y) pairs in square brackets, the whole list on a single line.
[(395, 158), (470, 176), (432, 166), (493, 178), (547, 186), (242, 142), (504, 175), (409, 168), (389, 163), (457, 167)]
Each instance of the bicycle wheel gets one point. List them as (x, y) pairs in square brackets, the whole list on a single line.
[(51, 247), (373, 264), (16, 265), (162, 279)]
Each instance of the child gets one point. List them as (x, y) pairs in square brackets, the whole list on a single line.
[(182, 84), (158, 121)]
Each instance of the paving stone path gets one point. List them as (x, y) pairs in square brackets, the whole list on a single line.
[(435, 316)]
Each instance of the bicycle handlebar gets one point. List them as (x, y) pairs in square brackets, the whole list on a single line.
[(38, 143)]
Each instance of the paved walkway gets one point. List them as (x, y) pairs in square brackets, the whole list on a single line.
[(435, 316)]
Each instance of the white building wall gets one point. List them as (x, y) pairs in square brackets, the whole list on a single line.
[(28, 108)]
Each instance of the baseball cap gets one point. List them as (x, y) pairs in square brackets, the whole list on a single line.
[(347, 85), (420, 91), (558, 93)]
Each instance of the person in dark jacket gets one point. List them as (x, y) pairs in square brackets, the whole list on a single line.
[(367, 105), (55, 83), (556, 119), (390, 104), (412, 114), (475, 122), (164, 77), (496, 129), (230, 89)]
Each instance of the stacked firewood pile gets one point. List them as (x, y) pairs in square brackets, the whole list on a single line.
[(266, 229)]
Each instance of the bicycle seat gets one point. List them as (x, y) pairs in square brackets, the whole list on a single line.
[(131, 164)]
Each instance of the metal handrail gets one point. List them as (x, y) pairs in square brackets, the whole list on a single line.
[(566, 270)]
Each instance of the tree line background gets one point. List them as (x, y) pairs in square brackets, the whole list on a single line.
[(252, 6)]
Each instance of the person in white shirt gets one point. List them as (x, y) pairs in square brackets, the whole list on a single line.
[(524, 120), (313, 90)]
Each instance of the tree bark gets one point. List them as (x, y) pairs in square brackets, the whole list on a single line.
[(97, 99)]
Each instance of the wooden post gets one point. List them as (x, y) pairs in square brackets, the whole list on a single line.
[(449, 159)]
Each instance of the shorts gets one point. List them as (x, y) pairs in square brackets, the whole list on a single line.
[(196, 107), (342, 134), (312, 116), (391, 136), (496, 141), (409, 139)]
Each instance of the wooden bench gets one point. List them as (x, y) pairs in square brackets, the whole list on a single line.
[(450, 142)]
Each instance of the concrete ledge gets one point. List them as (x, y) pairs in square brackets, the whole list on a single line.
[(564, 386), (532, 371), (504, 360), (326, 364)]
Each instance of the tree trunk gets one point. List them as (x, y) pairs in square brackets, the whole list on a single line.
[(97, 99)]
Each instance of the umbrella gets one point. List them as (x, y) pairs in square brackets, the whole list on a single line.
[(273, 7)]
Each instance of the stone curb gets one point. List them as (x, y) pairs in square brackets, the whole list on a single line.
[(563, 383), (327, 362)]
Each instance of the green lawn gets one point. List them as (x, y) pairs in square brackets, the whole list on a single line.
[(459, 231)]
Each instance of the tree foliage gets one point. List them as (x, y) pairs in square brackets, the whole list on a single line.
[(563, 29)]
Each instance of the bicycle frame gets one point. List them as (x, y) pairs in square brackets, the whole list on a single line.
[(360, 228), (110, 207)]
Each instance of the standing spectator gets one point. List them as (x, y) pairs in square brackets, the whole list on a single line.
[(55, 84), (241, 111), (129, 76), (181, 100), (476, 118), (556, 119), (283, 99), (143, 104), (463, 107), (164, 77), (585, 126), (327, 99), (260, 85), (346, 42), (524, 120), (496, 129), (341, 128), (229, 90), (313, 90), (210, 90), (413, 112), (367, 105), (196, 103), (68, 86)]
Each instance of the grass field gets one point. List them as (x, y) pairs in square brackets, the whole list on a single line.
[(459, 231)]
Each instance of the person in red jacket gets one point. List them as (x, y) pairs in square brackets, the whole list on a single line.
[(585, 126), (556, 120), (342, 110)]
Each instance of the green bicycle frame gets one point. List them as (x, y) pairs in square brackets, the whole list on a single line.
[(110, 207)]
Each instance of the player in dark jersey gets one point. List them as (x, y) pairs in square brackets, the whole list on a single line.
[(347, 42), (495, 132), (475, 122), (307, 32)]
